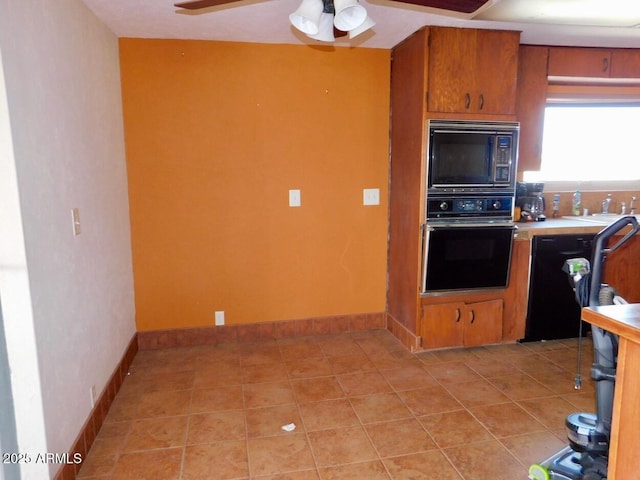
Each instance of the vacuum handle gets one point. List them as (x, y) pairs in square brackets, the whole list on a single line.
[(629, 234)]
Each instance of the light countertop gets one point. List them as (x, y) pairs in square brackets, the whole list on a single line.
[(558, 226)]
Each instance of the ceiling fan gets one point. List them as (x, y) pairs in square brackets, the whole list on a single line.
[(462, 6), (326, 19)]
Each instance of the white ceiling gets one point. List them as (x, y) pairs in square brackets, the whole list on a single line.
[(605, 23)]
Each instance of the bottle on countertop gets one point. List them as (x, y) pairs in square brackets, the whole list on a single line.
[(577, 202), (556, 205)]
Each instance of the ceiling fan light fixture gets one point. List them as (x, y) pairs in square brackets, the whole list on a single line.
[(366, 25), (349, 15), (307, 17), (325, 32)]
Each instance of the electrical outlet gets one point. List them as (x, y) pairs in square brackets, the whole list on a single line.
[(219, 318), (94, 395)]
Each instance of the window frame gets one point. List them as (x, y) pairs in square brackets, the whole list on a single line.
[(598, 92)]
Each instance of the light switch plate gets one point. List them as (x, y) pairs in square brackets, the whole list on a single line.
[(75, 218), (219, 315), (295, 199), (371, 196)]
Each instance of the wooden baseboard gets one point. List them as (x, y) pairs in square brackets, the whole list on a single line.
[(94, 422), (214, 335), (410, 340)]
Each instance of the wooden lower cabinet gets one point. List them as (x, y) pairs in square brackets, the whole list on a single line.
[(460, 324)]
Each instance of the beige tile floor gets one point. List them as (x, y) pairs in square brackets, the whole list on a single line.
[(363, 407)]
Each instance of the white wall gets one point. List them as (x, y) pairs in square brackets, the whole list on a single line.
[(15, 296), (71, 312)]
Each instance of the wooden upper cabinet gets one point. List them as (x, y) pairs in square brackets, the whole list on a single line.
[(579, 62), (532, 99), (625, 63), (472, 71), (594, 62)]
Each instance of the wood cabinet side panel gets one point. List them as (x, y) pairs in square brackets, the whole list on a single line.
[(626, 413), (531, 99), (516, 295), (408, 80)]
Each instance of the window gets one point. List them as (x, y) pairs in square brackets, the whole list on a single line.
[(591, 143), (590, 137)]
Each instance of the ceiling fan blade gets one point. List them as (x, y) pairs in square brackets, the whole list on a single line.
[(198, 4), (464, 6)]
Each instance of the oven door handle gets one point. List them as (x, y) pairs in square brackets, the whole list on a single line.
[(440, 226)]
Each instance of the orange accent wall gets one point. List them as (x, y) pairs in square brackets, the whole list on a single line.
[(216, 135)]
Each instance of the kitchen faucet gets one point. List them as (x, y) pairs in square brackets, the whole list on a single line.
[(605, 204)]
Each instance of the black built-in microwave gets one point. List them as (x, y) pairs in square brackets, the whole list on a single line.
[(472, 156)]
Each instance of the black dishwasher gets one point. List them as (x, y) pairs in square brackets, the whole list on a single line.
[(553, 311)]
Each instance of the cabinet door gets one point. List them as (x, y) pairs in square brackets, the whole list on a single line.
[(579, 62), (451, 64), (442, 325), (625, 63), (495, 72), (472, 71), (483, 323)]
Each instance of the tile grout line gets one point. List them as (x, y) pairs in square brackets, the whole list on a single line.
[(297, 403), (186, 431)]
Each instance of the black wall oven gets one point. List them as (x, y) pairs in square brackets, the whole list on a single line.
[(469, 230), (464, 256)]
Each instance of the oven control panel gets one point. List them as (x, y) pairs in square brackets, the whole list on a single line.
[(470, 207)]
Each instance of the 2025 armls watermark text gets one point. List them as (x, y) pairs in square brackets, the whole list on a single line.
[(48, 457)]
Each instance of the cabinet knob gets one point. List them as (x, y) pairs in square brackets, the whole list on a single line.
[(467, 100), (458, 315), (473, 316), (481, 101)]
